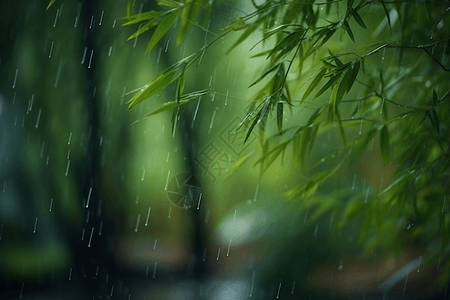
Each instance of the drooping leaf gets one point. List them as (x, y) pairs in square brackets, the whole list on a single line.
[(169, 3), (314, 83), (161, 30), (183, 100), (264, 75), (189, 16), (280, 116), (245, 34), (158, 84), (142, 29), (341, 127), (349, 31), (341, 89), (353, 73), (50, 4), (434, 119), (148, 15), (384, 144), (358, 19), (327, 85), (435, 98), (387, 13)]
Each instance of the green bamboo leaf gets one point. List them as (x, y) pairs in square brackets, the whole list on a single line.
[(264, 75), (353, 73), (435, 98), (149, 15), (169, 3), (434, 119), (245, 34), (327, 36), (237, 25), (258, 118), (349, 31), (341, 127), (161, 30), (387, 13), (341, 89), (183, 101), (358, 19), (143, 29), (314, 83), (327, 85), (280, 116), (189, 17), (129, 6), (384, 144), (50, 4), (158, 84)]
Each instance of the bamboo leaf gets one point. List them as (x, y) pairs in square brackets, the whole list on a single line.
[(434, 119), (435, 98), (129, 6), (387, 13), (161, 30), (280, 116), (384, 144), (143, 29), (264, 75), (158, 84), (353, 73), (358, 19), (341, 89), (169, 3), (50, 4), (149, 15), (314, 83), (245, 34), (189, 17), (341, 127), (327, 85), (349, 31), (183, 100)]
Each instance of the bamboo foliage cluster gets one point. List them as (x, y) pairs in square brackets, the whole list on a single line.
[(394, 89)]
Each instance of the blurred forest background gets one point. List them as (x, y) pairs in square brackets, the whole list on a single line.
[(86, 194)]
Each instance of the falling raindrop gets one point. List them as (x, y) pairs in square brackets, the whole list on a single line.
[(204, 253), (21, 290), (170, 212), (167, 46), (293, 287), (84, 55), (35, 225), (101, 18), (89, 197), (137, 223), (279, 290), (253, 284), (56, 18), (154, 246), (90, 59), (228, 250), (51, 49), (199, 200), (148, 216), (90, 238), (154, 270), (218, 254), (70, 274), (51, 205), (256, 192), (100, 230), (15, 79)]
